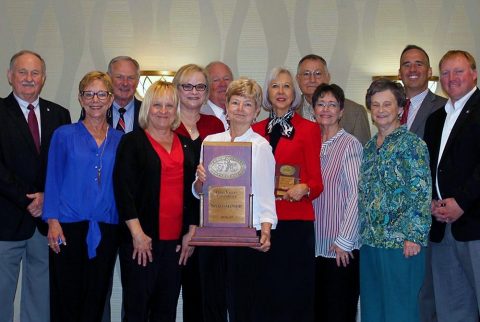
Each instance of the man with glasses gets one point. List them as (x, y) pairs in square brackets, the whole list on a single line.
[(220, 76), (28, 122), (312, 71), (125, 74)]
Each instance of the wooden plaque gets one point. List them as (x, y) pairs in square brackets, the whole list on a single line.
[(286, 176), (226, 200)]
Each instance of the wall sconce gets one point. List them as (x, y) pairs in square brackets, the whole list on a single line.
[(432, 81), (148, 77)]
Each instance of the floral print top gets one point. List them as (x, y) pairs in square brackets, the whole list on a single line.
[(395, 190)]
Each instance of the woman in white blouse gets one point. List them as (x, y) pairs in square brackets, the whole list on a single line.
[(229, 274), (336, 212)]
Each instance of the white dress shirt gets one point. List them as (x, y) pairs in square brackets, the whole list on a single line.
[(263, 175)]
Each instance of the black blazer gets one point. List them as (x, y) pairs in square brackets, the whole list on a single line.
[(136, 183), (459, 168), (137, 105), (22, 169)]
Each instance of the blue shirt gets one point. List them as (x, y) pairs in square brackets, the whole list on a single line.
[(128, 116), (73, 191)]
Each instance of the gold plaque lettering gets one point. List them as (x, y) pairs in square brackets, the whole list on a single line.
[(226, 204)]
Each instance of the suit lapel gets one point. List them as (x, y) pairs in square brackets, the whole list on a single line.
[(423, 112), (469, 107), (19, 120), (137, 104)]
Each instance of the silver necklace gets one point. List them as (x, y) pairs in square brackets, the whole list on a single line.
[(99, 168)]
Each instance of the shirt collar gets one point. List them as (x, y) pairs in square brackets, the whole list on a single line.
[(127, 107), (450, 107), (244, 137), (416, 100), (24, 104)]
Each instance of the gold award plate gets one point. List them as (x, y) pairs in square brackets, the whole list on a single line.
[(226, 204)]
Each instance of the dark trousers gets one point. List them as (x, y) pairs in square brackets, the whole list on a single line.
[(287, 283), (336, 289), (79, 285), (191, 290), (229, 278), (151, 293)]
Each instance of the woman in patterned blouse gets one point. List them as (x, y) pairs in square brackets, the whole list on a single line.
[(394, 207), (337, 284)]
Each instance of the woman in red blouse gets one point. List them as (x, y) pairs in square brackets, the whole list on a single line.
[(290, 266), (153, 174)]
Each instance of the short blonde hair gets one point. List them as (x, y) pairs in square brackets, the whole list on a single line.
[(189, 69), (158, 89), (245, 87), (453, 53), (94, 75)]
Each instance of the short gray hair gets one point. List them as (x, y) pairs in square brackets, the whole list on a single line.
[(124, 58), (274, 74), (24, 52)]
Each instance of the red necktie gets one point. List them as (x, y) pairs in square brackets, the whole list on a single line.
[(33, 126), (121, 120), (404, 118)]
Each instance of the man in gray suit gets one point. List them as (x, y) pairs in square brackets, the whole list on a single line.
[(220, 76), (312, 71), (414, 72)]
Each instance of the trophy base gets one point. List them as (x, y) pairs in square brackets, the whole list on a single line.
[(225, 236)]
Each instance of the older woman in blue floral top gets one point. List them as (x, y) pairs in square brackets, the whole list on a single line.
[(394, 207)]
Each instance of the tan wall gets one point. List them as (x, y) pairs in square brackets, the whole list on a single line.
[(359, 38)]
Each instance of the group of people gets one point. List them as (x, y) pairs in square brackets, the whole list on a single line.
[(392, 217)]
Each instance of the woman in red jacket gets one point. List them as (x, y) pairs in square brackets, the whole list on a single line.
[(290, 269)]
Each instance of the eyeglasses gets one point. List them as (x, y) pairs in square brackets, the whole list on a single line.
[(199, 87), (101, 95), (327, 105), (308, 73)]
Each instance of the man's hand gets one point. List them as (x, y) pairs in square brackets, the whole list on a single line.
[(35, 208)]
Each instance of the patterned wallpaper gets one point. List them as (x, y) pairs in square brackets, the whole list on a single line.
[(358, 38)]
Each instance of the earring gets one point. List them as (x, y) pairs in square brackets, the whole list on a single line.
[(82, 114), (109, 113)]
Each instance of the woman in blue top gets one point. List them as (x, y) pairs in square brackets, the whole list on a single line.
[(80, 208), (394, 208)]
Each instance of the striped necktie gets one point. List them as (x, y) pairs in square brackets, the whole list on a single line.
[(121, 120)]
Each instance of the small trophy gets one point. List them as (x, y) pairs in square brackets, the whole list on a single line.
[(286, 176)]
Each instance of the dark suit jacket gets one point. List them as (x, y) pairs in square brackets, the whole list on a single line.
[(137, 105), (430, 104), (459, 168), (136, 183), (22, 169)]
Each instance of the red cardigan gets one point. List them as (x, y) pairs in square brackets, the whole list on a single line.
[(303, 150)]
